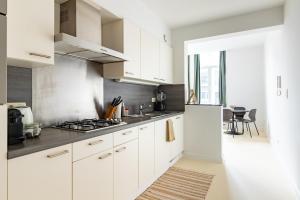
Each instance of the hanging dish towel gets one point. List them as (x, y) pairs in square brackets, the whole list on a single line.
[(170, 131)]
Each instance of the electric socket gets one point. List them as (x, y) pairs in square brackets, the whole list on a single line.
[(153, 100)]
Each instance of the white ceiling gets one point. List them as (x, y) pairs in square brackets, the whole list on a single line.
[(241, 40), (177, 13)]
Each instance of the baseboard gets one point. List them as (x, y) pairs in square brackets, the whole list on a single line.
[(217, 159)]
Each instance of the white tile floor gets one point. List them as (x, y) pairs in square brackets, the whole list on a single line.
[(250, 171)]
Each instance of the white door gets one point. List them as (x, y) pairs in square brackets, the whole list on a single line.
[(93, 177), (132, 49), (149, 57), (30, 28), (166, 63), (3, 152), (162, 148), (45, 175), (146, 155), (126, 171)]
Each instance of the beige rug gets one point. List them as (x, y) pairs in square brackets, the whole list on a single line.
[(179, 184)]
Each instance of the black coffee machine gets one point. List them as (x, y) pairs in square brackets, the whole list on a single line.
[(160, 104), (15, 127)]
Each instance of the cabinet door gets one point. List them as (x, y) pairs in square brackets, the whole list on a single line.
[(3, 152), (166, 63), (30, 28), (132, 49), (149, 57), (146, 156), (126, 171), (93, 177), (177, 144), (44, 175), (162, 148)]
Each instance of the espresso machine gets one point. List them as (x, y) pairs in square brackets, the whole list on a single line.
[(160, 104)]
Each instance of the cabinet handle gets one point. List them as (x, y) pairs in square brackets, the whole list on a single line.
[(104, 50), (143, 128), (105, 156), (58, 154), (95, 142), (156, 78), (177, 117), (163, 80), (127, 133), (130, 73), (40, 55), (121, 149)]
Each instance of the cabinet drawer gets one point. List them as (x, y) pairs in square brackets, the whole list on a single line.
[(92, 146), (126, 135)]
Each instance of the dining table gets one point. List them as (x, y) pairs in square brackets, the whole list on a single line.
[(233, 131)]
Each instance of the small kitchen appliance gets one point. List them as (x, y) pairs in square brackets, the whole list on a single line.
[(160, 104), (15, 127)]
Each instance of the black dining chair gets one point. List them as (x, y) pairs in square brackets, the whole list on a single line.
[(227, 117), (252, 119), (240, 116)]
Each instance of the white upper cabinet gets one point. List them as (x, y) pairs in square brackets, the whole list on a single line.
[(166, 63), (149, 57), (125, 37), (43, 175), (30, 28)]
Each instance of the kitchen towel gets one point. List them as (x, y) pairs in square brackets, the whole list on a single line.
[(170, 131)]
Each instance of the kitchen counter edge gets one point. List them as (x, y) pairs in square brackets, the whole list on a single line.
[(64, 137)]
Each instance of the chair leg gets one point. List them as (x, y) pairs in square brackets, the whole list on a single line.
[(243, 127), (249, 130), (256, 128)]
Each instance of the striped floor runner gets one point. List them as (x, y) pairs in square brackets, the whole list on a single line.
[(179, 184)]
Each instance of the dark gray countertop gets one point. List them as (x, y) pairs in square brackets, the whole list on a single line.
[(51, 137)]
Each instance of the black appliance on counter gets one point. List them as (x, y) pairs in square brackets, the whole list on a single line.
[(15, 127), (160, 104)]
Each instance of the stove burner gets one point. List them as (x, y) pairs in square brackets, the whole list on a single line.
[(87, 125)]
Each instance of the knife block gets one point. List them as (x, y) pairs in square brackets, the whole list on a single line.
[(110, 112)]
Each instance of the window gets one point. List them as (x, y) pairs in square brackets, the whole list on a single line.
[(209, 77)]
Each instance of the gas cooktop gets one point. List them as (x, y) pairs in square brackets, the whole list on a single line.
[(88, 125)]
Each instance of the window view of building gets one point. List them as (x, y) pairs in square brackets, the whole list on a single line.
[(209, 77)]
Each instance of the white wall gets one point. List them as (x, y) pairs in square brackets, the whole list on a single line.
[(138, 13), (245, 75), (203, 132), (261, 19), (282, 58)]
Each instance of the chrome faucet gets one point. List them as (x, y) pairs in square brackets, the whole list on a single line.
[(141, 108)]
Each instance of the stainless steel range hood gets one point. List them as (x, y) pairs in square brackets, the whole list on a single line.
[(72, 46)]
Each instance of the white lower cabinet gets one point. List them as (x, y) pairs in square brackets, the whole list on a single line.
[(126, 171), (3, 152), (93, 177), (162, 148), (45, 175), (177, 144), (146, 156), (100, 171)]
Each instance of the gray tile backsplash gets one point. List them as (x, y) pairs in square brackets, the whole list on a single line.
[(175, 97), (19, 85), (132, 94)]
